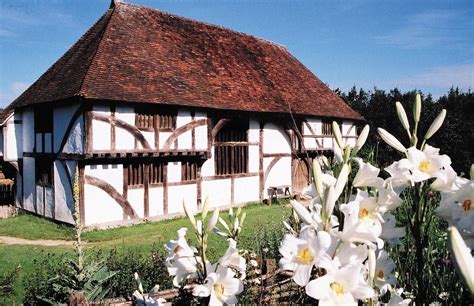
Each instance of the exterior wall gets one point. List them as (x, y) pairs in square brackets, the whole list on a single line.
[(62, 117), (13, 138), (99, 206), (125, 141), (315, 140), (28, 130), (63, 191), (29, 184)]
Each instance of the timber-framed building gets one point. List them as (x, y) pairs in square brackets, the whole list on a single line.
[(155, 109)]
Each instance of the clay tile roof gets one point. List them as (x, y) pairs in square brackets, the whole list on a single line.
[(139, 54)]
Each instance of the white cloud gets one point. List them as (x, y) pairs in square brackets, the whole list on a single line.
[(461, 76), (12, 91), (431, 28)]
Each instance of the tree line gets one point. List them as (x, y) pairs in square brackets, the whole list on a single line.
[(455, 138)]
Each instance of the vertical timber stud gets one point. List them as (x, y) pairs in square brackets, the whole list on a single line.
[(165, 189), (193, 133), (209, 134), (88, 116), (125, 187), (112, 128), (199, 184), (146, 181), (81, 193), (157, 132), (260, 163)]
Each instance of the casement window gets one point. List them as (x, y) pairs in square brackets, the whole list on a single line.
[(231, 149), (43, 119), (44, 172), (137, 172), (326, 128), (145, 120), (188, 171)]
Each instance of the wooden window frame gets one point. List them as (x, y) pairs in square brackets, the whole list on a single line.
[(44, 172), (138, 171), (232, 154), (43, 119), (326, 128), (189, 171), (146, 120)]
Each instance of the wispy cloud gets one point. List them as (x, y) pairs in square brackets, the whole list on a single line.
[(431, 28), (12, 91), (442, 77)]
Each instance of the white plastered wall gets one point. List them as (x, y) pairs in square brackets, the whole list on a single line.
[(13, 138), (155, 196), (184, 140), (200, 132), (29, 189), (101, 131), (99, 207), (63, 193), (217, 192), (123, 139), (348, 129), (246, 189), (312, 143), (28, 123), (75, 142), (136, 198), (179, 194)]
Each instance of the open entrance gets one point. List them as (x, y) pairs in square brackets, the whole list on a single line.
[(301, 177)]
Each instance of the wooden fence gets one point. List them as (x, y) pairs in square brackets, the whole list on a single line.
[(7, 192)]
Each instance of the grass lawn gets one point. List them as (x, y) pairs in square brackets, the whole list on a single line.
[(141, 236)]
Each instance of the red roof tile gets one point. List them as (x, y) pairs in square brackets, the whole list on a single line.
[(140, 54)]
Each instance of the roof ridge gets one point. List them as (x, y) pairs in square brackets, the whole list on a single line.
[(112, 8), (65, 56), (120, 3)]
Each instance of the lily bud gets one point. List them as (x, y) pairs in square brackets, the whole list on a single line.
[(472, 172), (372, 264), (462, 257), (434, 127), (391, 140), (402, 116), (302, 212), (347, 153), (417, 108), (189, 215), (317, 177), (213, 220), (328, 205), (341, 181), (205, 208), (362, 138), (242, 219), (337, 134)]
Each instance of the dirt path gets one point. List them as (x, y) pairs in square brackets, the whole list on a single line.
[(21, 241)]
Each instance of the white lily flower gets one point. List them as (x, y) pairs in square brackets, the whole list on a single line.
[(340, 286), (400, 175), (142, 299), (390, 232), (221, 286), (232, 259), (396, 298), (301, 254), (462, 257), (388, 198), (384, 267), (362, 221), (425, 164), (367, 176), (180, 247), (181, 261), (350, 253)]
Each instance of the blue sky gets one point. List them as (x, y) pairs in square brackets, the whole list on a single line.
[(427, 45)]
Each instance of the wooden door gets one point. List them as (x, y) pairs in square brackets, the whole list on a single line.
[(300, 175)]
